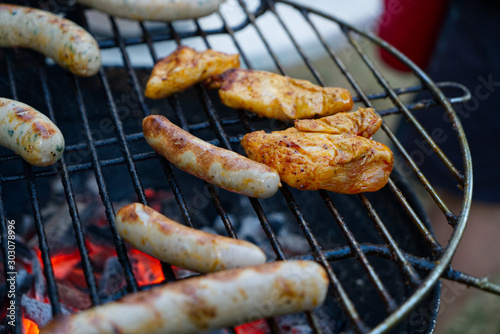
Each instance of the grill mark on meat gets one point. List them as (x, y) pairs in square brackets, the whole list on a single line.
[(129, 215), (45, 129)]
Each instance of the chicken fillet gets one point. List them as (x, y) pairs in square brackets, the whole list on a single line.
[(275, 96), (363, 122), (186, 67), (341, 163)]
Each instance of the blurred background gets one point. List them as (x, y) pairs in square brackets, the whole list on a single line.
[(457, 41)]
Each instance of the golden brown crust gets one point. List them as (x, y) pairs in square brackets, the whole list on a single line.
[(363, 122), (173, 142), (311, 161), (127, 213), (44, 129), (275, 96), (216, 165), (23, 113), (186, 67), (214, 82)]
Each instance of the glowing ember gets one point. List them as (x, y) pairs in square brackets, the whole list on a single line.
[(30, 327), (71, 283), (255, 327), (64, 264), (67, 267), (147, 269)]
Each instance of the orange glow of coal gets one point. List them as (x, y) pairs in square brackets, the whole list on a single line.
[(30, 327), (66, 265), (255, 327), (147, 269)]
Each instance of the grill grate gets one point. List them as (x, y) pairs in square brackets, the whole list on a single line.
[(422, 272)]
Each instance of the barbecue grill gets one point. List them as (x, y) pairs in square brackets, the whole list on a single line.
[(381, 257)]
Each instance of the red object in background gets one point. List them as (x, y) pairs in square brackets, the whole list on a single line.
[(413, 28)]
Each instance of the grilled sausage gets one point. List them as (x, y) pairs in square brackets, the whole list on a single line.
[(186, 67), (212, 301), (364, 122), (68, 44), (276, 96), (155, 10), (221, 167), (171, 242), (29, 133)]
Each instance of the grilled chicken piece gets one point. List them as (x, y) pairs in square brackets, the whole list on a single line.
[(186, 67), (341, 163), (275, 96), (363, 122)]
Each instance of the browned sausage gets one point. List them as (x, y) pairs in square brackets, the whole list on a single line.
[(224, 168), (212, 301)]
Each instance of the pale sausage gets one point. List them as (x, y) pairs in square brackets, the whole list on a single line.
[(155, 10), (29, 133), (212, 301), (176, 244), (68, 44)]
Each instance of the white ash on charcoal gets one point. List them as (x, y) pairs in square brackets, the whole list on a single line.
[(294, 324), (30, 271), (38, 311), (248, 227)]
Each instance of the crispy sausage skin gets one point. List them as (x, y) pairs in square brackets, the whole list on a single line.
[(68, 44), (275, 96), (176, 244), (186, 67), (221, 167), (341, 163), (155, 10), (208, 302), (29, 133), (363, 122)]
